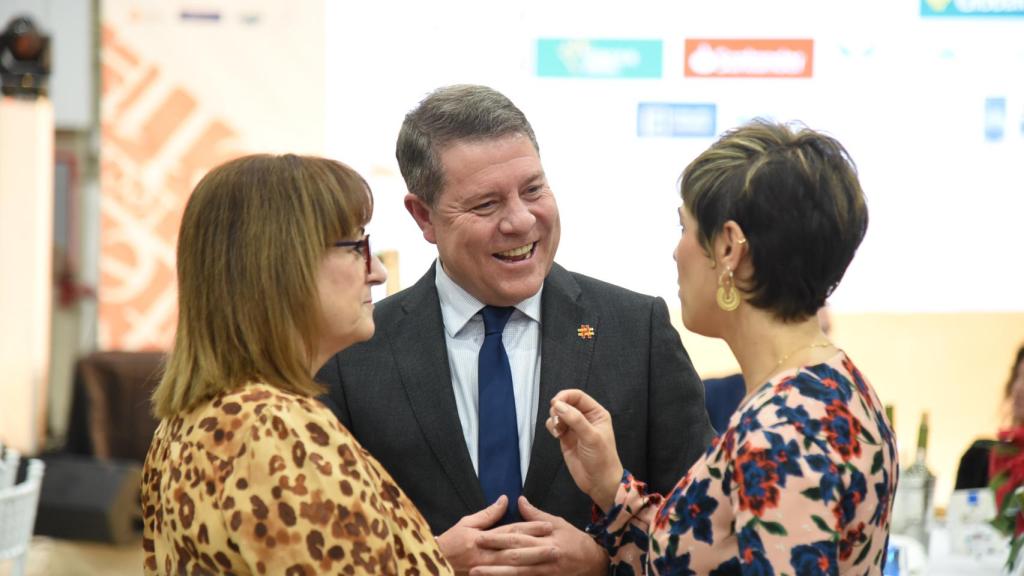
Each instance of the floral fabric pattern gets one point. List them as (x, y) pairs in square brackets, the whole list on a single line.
[(800, 483)]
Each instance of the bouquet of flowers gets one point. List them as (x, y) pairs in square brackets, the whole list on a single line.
[(1006, 470)]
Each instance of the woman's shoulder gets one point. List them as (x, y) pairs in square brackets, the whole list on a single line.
[(258, 397), (257, 413), (295, 469), (805, 401), (836, 380)]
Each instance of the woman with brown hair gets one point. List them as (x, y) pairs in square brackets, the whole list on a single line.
[(247, 471)]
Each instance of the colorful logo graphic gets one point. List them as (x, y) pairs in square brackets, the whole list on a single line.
[(675, 120), (961, 8), (580, 58), (152, 156), (938, 5), (749, 58)]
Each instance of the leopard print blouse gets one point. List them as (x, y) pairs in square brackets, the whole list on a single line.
[(262, 481)]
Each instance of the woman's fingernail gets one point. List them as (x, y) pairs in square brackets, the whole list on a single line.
[(561, 407)]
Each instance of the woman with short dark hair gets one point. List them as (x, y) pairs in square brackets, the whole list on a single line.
[(247, 472), (801, 481)]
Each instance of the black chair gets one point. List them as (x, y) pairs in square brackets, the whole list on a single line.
[(110, 410), (973, 469)]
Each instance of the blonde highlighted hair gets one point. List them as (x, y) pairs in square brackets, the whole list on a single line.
[(796, 195), (252, 237)]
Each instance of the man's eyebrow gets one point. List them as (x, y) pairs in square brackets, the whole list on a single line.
[(538, 175), (478, 195)]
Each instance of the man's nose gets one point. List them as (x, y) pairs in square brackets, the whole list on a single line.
[(517, 218)]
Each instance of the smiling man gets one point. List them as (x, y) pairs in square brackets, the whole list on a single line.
[(447, 393)]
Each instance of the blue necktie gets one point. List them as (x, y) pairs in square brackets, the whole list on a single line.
[(498, 441)]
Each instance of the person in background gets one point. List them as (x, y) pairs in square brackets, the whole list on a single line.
[(722, 396), (1013, 392), (247, 472), (801, 481), (1006, 458), (449, 393), (973, 469)]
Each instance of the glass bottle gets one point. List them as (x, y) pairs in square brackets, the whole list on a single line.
[(912, 508)]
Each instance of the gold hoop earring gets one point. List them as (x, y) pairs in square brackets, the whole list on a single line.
[(727, 297)]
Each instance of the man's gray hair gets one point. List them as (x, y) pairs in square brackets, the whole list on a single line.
[(449, 114)]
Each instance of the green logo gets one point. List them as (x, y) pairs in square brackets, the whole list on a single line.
[(968, 8), (581, 58)]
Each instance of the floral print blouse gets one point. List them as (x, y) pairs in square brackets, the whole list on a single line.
[(800, 483)]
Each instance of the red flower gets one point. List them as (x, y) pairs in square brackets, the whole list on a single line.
[(757, 479), (841, 429), (728, 442), (1007, 461), (1006, 470), (852, 537)]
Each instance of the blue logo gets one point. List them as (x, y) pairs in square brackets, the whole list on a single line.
[(576, 58), (995, 119), (675, 120), (961, 8)]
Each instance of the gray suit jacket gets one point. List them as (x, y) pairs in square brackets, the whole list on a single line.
[(394, 393)]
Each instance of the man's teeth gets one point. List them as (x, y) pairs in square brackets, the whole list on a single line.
[(516, 252)]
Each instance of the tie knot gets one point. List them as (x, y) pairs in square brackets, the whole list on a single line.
[(495, 318)]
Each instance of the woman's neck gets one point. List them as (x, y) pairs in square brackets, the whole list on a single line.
[(765, 346)]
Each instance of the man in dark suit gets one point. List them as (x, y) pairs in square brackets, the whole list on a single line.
[(411, 396)]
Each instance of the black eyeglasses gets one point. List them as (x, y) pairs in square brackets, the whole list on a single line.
[(364, 247)]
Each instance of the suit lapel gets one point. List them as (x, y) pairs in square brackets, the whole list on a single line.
[(422, 360), (565, 363)]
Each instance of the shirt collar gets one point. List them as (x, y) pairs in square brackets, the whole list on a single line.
[(458, 306)]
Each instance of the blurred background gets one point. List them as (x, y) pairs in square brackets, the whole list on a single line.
[(129, 102)]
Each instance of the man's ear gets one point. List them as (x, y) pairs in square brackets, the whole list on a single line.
[(423, 216), (731, 245)]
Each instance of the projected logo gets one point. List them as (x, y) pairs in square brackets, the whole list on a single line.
[(580, 58), (986, 8), (675, 120), (750, 58), (156, 143)]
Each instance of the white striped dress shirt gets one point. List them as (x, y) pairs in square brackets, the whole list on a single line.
[(464, 334)]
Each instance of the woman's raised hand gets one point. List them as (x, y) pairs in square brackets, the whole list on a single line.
[(584, 430)]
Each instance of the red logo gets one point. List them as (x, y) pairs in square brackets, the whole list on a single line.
[(751, 58)]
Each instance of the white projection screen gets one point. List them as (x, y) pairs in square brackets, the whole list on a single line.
[(927, 95)]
